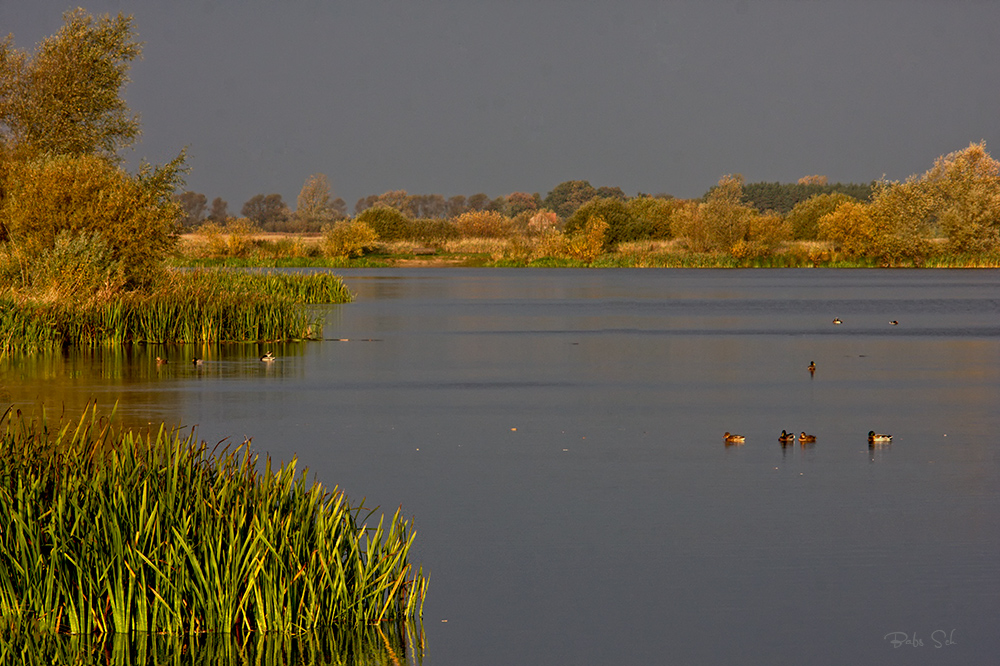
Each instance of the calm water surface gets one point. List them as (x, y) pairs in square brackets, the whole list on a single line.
[(557, 435)]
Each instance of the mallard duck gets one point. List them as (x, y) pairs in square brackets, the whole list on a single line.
[(806, 439), (837, 320), (786, 437), (875, 438), (812, 367), (734, 439), (268, 357)]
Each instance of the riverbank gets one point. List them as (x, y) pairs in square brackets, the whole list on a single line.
[(286, 250)]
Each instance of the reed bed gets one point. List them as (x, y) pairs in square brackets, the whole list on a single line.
[(187, 307), (112, 531)]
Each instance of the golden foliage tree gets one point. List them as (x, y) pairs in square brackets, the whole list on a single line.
[(964, 189), (65, 99), (62, 121)]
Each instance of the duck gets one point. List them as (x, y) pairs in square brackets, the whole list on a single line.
[(876, 438), (161, 361), (837, 320), (806, 439), (893, 323), (786, 437), (734, 439), (812, 367), (196, 361), (268, 357)]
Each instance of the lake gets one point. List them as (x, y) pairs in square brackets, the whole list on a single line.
[(558, 436)]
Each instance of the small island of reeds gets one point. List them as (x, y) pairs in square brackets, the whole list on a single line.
[(110, 531)]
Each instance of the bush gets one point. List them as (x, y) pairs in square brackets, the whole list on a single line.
[(483, 224), (622, 224), (387, 222), (588, 243), (87, 195), (348, 239), (653, 216), (804, 217)]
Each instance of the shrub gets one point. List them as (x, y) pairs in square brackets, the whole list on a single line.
[(88, 194), (622, 224), (804, 217), (588, 243), (348, 239), (387, 222), (653, 216), (483, 224)]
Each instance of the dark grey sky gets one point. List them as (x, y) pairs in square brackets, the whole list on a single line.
[(459, 97)]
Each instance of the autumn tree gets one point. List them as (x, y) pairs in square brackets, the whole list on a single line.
[(520, 202), (314, 209), (267, 210), (964, 189), (653, 215), (193, 205), (66, 97), (812, 180), (62, 191), (220, 210), (804, 217), (567, 196), (618, 220)]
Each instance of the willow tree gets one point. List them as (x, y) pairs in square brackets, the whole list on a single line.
[(63, 120)]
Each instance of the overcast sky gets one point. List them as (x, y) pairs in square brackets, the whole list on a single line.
[(459, 96)]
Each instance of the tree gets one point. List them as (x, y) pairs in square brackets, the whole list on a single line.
[(477, 202), (65, 99), (619, 223), (456, 206), (804, 217), (313, 208), (812, 180), (266, 210), (964, 187), (725, 216), (519, 202), (653, 215), (566, 197), (388, 223), (193, 207), (62, 193), (220, 211), (75, 196)]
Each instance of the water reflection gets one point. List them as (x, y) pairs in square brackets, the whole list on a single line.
[(381, 645)]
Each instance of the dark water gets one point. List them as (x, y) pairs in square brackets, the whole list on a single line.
[(558, 436)]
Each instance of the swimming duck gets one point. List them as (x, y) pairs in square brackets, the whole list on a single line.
[(268, 357), (196, 361), (161, 361), (786, 437), (734, 439), (837, 320), (874, 438), (812, 367), (894, 323), (806, 439)]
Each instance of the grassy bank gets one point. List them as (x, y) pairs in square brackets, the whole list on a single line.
[(187, 306), (111, 531), (528, 252)]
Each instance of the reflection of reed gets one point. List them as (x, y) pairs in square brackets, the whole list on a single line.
[(387, 643)]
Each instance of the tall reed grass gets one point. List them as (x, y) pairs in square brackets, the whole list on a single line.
[(107, 531), (186, 306)]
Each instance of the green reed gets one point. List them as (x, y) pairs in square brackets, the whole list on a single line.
[(114, 531), (186, 306)]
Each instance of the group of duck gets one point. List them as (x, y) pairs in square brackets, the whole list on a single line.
[(789, 437), (268, 357)]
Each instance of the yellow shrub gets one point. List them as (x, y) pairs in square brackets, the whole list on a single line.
[(348, 239)]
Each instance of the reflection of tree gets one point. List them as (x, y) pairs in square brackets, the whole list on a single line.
[(129, 377)]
